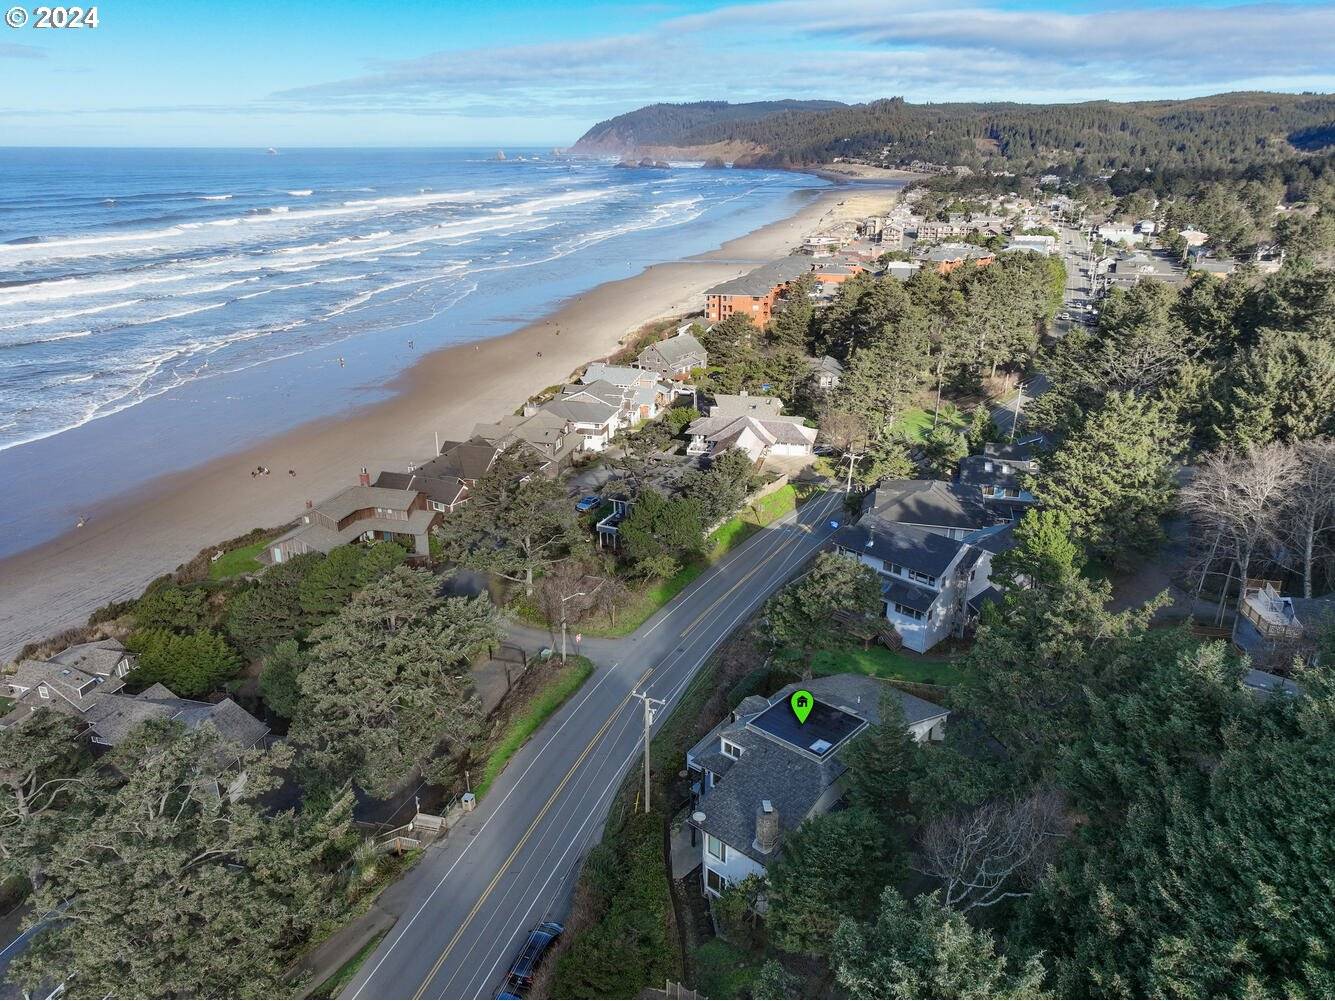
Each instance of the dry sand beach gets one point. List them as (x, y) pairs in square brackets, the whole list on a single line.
[(129, 542)]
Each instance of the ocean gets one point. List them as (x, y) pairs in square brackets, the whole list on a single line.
[(151, 289)]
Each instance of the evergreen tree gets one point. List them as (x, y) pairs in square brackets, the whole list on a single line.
[(926, 950), (386, 680), (517, 522), (182, 886), (801, 615), (1113, 478), (191, 666), (280, 680), (830, 868)]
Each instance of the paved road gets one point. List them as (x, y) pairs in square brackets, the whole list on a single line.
[(468, 905)]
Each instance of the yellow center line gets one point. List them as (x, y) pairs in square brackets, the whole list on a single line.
[(435, 969), (790, 540)]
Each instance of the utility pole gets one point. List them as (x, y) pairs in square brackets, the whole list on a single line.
[(1015, 415), (650, 705), (852, 458)]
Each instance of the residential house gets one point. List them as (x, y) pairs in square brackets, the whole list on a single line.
[(594, 419), (949, 256), (674, 358), (999, 475), (753, 423), (1202, 260), (903, 270), (548, 437), (360, 514), (760, 773), (647, 394), (948, 509), (448, 478), (1271, 626), (1117, 233), (826, 372), (1193, 237), (755, 293), (927, 579), (70, 681), (87, 682), (1131, 269)]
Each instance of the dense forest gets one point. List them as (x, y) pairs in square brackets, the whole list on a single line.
[(1228, 130)]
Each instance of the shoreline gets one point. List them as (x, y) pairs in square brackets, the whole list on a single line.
[(149, 531)]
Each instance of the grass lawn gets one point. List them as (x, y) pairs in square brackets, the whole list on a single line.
[(915, 423), (340, 978), (238, 561), (546, 702), (892, 665)]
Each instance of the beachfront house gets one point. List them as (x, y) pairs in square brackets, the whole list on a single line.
[(759, 773), (673, 358), (593, 420), (87, 682), (363, 513), (755, 424), (645, 395), (546, 437), (754, 293)]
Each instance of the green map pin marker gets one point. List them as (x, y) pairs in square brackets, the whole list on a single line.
[(802, 702)]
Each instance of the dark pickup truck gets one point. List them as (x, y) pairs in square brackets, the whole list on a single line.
[(520, 977)]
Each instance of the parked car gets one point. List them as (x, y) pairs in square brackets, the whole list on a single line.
[(588, 503), (520, 977)]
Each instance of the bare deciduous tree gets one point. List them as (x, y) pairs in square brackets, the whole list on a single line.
[(1237, 501), (995, 852), (1311, 508)]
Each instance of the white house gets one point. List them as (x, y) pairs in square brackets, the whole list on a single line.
[(753, 423), (760, 773), (927, 579)]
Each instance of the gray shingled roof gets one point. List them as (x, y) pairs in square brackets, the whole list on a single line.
[(444, 490), (765, 278), (926, 502), (116, 716), (911, 595), (911, 547), (672, 351), (771, 769)]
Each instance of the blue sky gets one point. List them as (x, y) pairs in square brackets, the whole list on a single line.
[(189, 72)]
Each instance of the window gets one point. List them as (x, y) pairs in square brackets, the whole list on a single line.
[(731, 750), (43, 691), (714, 882), (437, 506), (912, 613), (922, 578), (715, 848)]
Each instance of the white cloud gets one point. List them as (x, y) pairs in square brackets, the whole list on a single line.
[(858, 50)]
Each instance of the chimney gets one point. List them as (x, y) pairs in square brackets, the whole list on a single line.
[(364, 478), (767, 827), (310, 504)]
